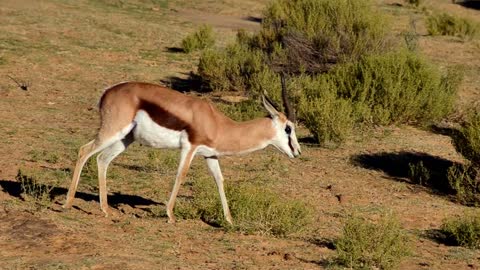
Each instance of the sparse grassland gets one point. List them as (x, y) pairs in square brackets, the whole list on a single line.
[(71, 50)]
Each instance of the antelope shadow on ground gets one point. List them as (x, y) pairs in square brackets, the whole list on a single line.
[(115, 199)]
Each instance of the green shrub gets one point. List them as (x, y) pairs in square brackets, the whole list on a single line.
[(449, 25), (392, 88), (367, 245), (230, 69), (253, 209), (418, 173), (296, 36), (463, 180), (341, 76), (327, 116), (463, 231), (467, 141), (315, 33), (398, 87), (201, 39), (244, 110)]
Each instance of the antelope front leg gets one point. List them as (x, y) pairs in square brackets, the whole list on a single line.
[(214, 168), (185, 161)]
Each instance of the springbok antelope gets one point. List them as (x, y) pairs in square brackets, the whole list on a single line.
[(163, 118)]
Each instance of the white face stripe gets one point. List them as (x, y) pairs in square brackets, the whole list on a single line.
[(284, 142)]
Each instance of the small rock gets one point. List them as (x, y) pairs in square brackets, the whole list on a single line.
[(287, 256)]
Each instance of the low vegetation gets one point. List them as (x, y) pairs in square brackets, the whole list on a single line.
[(463, 231), (340, 75), (372, 245), (243, 110), (393, 88), (201, 39), (464, 179), (467, 140), (449, 25), (37, 185), (254, 209)]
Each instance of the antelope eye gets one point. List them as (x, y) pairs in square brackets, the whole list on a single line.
[(288, 130)]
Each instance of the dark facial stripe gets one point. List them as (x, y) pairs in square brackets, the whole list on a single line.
[(290, 144)]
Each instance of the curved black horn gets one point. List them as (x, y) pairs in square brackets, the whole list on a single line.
[(289, 111)]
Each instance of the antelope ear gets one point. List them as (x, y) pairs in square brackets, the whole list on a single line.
[(269, 106)]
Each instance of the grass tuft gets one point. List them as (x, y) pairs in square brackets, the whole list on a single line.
[(463, 180), (368, 245), (449, 25), (253, 209), (201, 39), (463, 231), (37, 186)]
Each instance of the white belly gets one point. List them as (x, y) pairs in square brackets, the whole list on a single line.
[(149, 133)]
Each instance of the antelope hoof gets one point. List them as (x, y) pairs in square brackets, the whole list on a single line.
[(171, 220), (67, 206)]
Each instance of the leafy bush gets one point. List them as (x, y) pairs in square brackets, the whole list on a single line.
[(467, 141), (230, 69), (316, 33), (449, 25), (244, 110), (296, 36), (328, 117), (392, 88), (340, 75), (398, 87), (463, 231), (201, 39), (463, 180), (366, 245), (253, 209)]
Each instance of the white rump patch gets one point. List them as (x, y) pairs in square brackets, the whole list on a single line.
[(149, 133)]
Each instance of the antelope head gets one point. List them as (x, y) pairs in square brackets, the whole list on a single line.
[(285, 138)]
